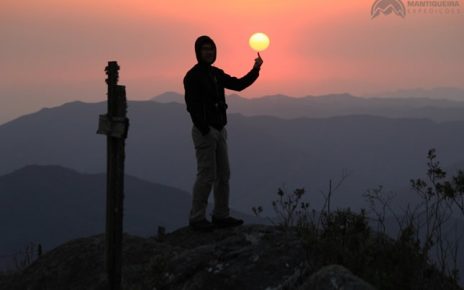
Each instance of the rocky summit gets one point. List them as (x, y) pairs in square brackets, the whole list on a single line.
[(248, 257)]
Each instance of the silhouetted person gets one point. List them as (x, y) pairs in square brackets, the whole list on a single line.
[(204, 95)]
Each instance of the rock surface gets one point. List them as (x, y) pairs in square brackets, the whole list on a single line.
[(334, 277), (249, 257)]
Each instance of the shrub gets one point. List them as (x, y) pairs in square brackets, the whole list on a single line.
[(405, 262)]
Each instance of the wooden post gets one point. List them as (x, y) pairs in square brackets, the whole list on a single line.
[(115, 126)]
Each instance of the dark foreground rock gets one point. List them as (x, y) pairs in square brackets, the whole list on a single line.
[(249, 257)]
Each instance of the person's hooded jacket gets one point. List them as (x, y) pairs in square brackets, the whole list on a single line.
[(204, 86)]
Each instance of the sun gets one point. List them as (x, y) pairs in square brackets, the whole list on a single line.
[(259, 41)]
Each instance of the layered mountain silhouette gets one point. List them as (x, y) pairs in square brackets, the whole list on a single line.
[(274, 142), (266, 152), (52, 204), (398, 104)]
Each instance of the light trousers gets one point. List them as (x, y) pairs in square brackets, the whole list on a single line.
[(213, 173)]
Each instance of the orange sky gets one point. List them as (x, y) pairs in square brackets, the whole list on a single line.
[(54, 51)]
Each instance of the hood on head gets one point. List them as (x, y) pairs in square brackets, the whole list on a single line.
[(199, 43)]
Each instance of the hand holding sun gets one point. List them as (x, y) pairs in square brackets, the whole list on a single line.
[(259, 42)]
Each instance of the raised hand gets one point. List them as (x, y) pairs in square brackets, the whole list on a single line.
[(258, 61)]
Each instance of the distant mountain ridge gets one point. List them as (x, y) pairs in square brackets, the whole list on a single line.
[(400, 106), (443, 93), (266, 152)]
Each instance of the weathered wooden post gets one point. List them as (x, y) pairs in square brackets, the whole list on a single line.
[(115, 126)]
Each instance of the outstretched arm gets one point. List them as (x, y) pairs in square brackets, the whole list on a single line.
[(238, 84)]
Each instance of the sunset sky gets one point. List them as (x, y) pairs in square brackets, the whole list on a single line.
[(55, 51)]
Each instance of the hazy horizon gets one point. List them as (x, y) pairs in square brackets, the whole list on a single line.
[(8, 116)]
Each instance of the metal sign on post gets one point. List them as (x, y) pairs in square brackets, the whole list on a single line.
[(115, 125)]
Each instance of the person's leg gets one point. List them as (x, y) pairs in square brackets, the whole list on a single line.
[(221, 184), (205, 148)]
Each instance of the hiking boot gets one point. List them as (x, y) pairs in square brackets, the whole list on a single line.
[(227, 222), (201, 226)]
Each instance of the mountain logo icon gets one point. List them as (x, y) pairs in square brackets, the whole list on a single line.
[(386, 7)]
